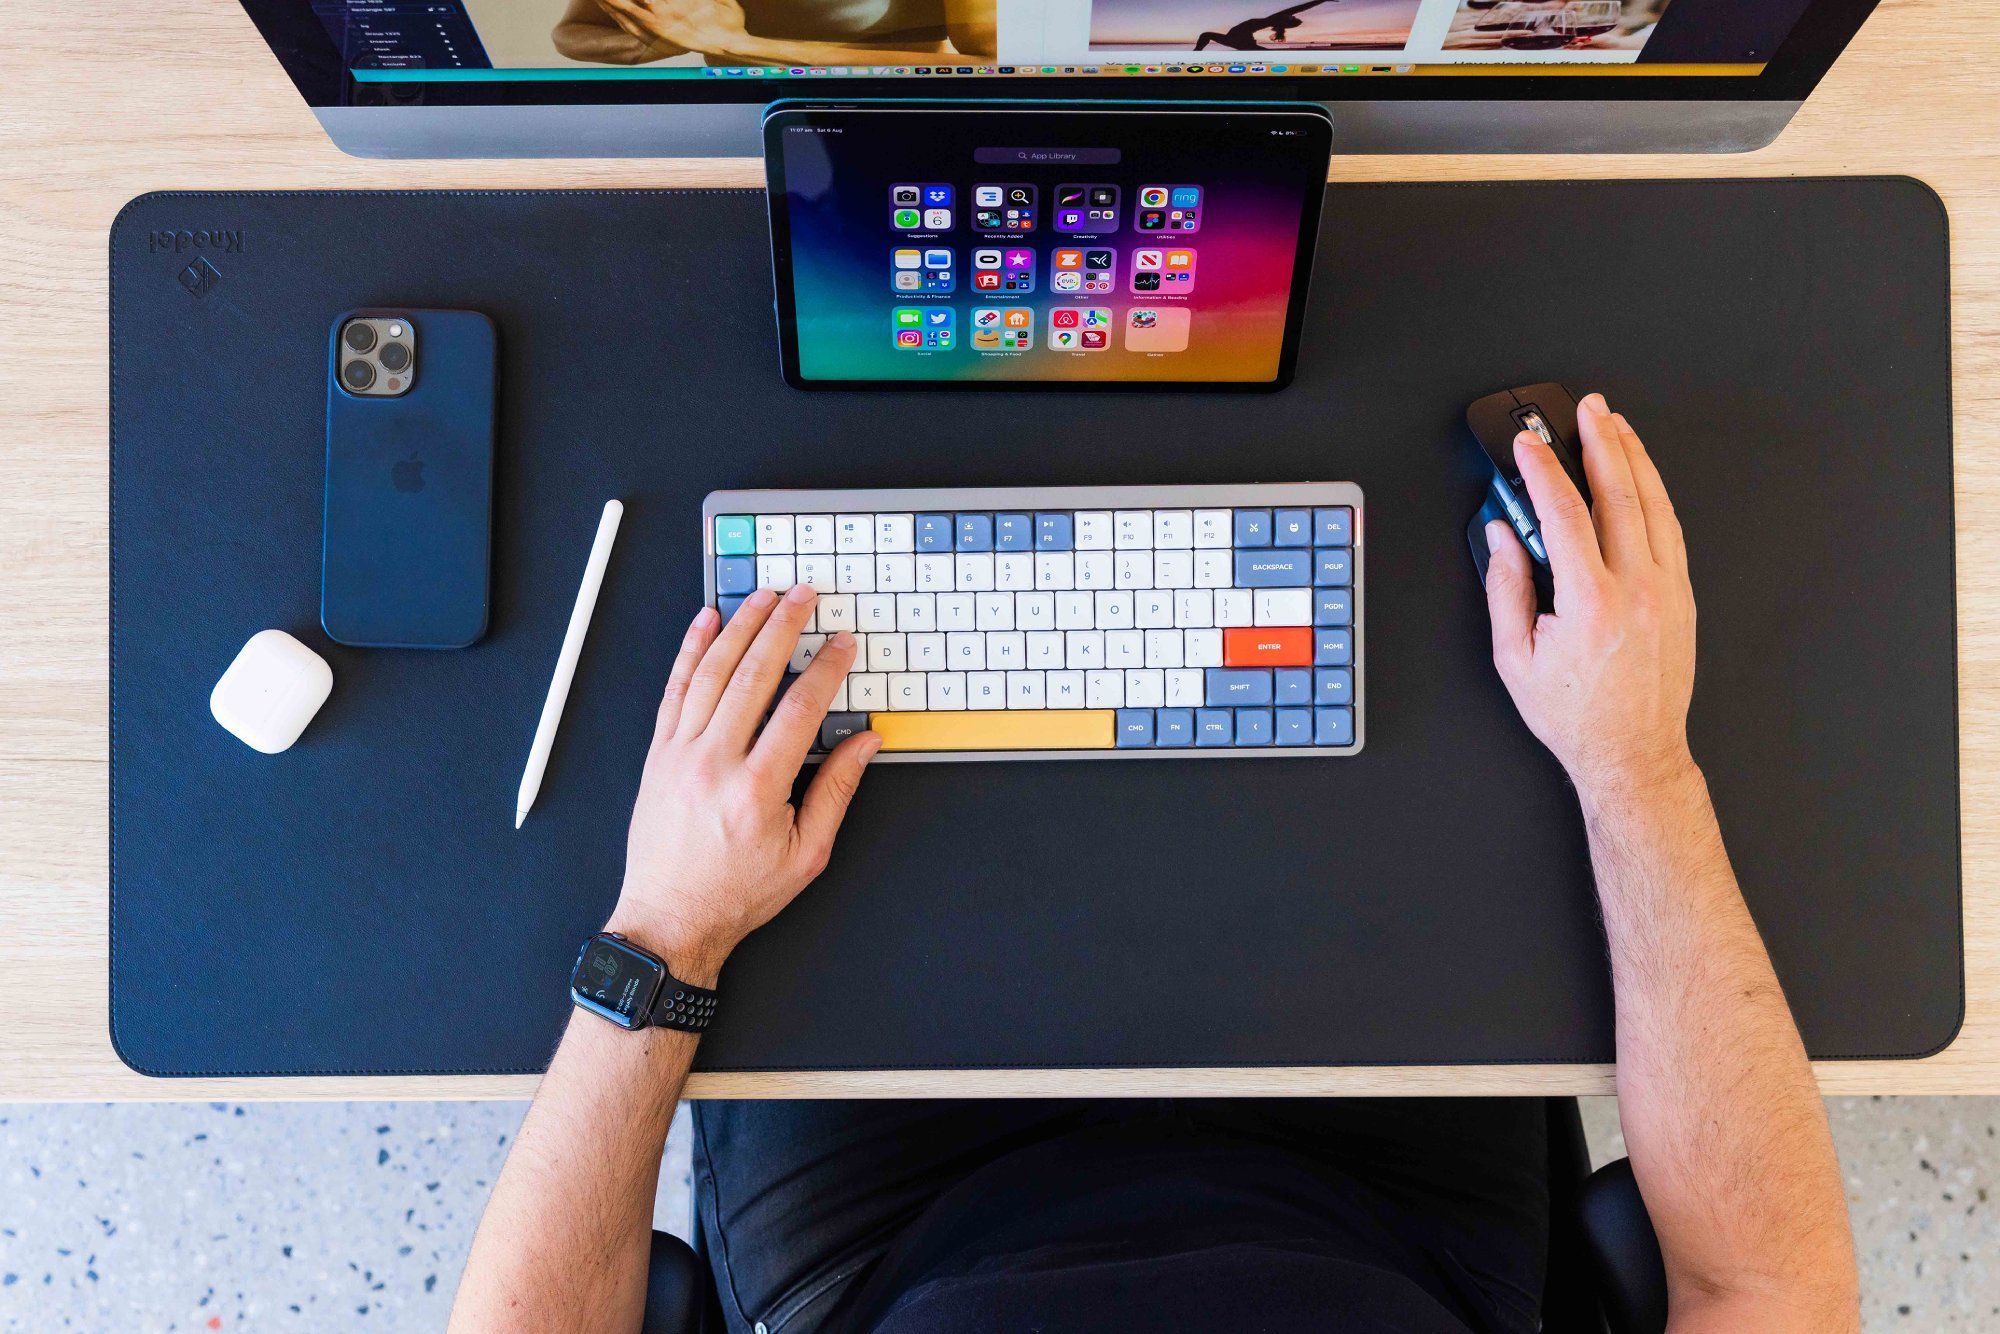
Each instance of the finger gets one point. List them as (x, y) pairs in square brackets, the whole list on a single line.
[(718, 664), (794, 725), (826, 800), (1510, 600), (1663, 525), (1614, 498), (1574, 557), (694, 643), (755, 681)]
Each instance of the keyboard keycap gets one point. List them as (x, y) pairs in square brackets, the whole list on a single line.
[(1234, 687), (1213, 529), (947, 691), (936, 532), (1333, 567), (735, 575), (975, 532), (1214, 727), (1135, 728), (1253, 727), (1253, 528), (774, 534), (1294, 685), (1295, 727), (1145, 688), (1013, 532), (1273, 569), (1333, 527), (895, 533), (734, 535), (1053, 532), (1282, 606), (1331, 648), (1093, 530), (854, 534), (1046, 729), (1282, 646), (1333, 686), (1173, 528), (1333, 727), (726, 605), (867, 691), (815, 534), (1173, 727), (1333, 606), (840, 726), (1292, 528)]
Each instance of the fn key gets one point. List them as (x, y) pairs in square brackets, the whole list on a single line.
[(840, 726)]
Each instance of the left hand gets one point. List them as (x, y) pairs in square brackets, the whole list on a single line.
[(716, 848), (712, 27)]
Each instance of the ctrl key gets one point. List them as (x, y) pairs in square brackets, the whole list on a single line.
[(840, 726)]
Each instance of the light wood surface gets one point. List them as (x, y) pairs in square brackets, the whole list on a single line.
[(100, 101)]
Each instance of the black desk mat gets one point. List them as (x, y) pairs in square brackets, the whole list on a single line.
[(363, 904)]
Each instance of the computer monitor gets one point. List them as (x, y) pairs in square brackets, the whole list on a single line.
[(624, 78)]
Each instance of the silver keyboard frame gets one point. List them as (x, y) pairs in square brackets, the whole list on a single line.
[(1027, 499)]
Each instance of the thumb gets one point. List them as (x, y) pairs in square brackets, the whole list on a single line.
[(1510, 600), (824, 805)]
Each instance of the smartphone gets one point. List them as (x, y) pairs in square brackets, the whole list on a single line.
[(409, 478)]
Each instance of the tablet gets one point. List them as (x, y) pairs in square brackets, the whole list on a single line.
[(970, 245)]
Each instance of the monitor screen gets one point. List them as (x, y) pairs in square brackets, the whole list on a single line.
[(777, 48)]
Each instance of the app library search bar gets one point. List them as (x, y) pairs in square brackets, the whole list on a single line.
[(1047, 157)]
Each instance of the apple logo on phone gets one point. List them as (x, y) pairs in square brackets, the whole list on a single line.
[(408, 475)]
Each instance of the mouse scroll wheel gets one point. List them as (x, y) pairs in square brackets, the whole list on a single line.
[(1533, 422)]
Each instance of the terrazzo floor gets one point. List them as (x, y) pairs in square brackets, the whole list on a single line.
[(146, 1217)]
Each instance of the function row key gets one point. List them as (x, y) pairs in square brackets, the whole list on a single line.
[(1049, 530)]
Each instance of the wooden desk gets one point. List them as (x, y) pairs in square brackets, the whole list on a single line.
[(100, 101)]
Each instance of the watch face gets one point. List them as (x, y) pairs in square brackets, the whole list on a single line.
[(615, 981)]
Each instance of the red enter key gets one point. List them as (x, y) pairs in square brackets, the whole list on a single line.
[(1268, 646)]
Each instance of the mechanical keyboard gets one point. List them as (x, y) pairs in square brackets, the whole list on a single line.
[(1069, 622)]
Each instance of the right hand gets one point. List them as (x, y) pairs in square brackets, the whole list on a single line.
[(1604, 680)]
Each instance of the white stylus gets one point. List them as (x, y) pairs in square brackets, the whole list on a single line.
[(572, 648)]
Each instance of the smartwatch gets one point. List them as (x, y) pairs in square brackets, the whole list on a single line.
[(616, 980)]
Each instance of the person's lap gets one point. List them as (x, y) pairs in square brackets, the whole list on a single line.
[(798, 1200)]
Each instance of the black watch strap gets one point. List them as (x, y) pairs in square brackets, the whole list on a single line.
[(682, 1005)]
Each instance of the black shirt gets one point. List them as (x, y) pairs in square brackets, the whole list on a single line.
[(1107, 1229)]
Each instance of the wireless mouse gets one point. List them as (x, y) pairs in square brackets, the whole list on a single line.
[(1548, 410)]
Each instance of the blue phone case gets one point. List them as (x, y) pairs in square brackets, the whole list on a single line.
[(409, 491)]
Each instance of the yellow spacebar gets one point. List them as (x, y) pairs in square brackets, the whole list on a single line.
[(1029, 729)]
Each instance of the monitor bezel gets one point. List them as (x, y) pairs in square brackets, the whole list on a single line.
[(309, 57)]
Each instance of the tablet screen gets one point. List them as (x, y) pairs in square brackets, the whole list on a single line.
[(994, 245)]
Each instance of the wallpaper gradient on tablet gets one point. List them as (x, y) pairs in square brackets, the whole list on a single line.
[(1044, 247)]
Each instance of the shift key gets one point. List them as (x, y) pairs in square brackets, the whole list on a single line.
[(1242, 687)]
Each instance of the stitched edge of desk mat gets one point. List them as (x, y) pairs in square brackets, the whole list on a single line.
[(119, 221)]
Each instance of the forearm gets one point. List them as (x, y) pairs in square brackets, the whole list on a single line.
[(565, 1239), (1727, 1133)]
